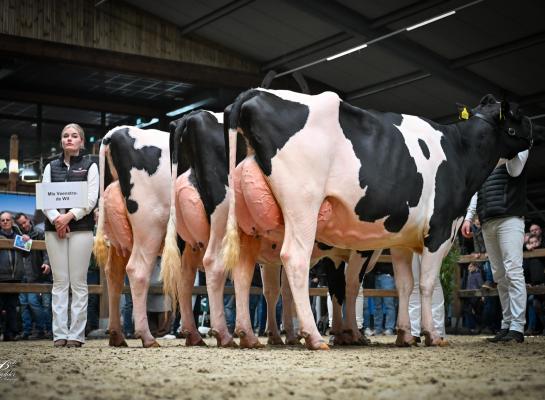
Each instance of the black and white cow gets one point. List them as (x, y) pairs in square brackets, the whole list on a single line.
[(202, 202), (134, 210), (391, 181)]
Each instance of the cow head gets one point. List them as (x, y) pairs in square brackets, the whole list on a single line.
[(517, 132)]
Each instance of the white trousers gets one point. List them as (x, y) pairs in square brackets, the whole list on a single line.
[(504, 238), (437, 302), (69, 263)]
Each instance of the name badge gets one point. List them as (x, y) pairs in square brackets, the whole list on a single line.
[(61, 195)]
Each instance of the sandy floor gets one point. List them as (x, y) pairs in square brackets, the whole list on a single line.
[(469, 368)]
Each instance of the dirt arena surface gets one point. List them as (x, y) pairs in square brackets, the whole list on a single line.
[(470, 368)]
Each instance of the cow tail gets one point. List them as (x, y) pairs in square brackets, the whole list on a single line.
[(171, 271), (100, 247)]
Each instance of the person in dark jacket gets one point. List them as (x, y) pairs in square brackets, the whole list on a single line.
[(35, 306), (501, 206), (69, 239), (12, 269)]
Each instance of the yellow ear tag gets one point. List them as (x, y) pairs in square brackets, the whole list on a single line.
[(464, 114), (501, 114)]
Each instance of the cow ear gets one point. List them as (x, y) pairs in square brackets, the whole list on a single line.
[(504, 109), (463, 111)]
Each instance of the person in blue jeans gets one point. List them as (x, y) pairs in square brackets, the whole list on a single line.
[(384, 306), (35, 307), (126, 311)]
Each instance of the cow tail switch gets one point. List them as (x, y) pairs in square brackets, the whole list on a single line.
[(171, 271), (100, 248), (231, 240)]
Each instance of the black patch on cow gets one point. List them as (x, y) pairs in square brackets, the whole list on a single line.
[(323, 246), (336, 282), (470, 149), (387, 169), (125, 157), (367, 255), (268, 122), (203, 146), (424, 148)]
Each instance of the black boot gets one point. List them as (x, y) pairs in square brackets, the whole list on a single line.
[(513, 336), (499, 336)]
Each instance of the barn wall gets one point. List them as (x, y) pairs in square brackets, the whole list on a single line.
[(113, 26)]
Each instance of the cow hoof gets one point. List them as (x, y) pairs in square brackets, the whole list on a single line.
[(150, 345), (405, 339), (363, 341), (275, 340), (223, 341), (247, 344), (293, 341), (117, 340), (190, 343), (192, 338), (434, 341), (320, 345)]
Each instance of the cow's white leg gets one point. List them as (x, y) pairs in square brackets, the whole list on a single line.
[(115, 274), (242, 277), (350, 326), (402, 262), (139, 269), (215, 283), (288, 312), (189, 329), (295, 255), (270, 275), (431, 265)]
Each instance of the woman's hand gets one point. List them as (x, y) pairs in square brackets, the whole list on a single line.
[(61, 224)]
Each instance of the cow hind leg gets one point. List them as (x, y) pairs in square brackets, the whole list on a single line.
[(139, 270), (115, 274), (189, 329), (295, 255), (350, 326), (288, 312), (270, 275), (402, 262), (242, 277)]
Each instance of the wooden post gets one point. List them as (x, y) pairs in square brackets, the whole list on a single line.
[(13, 163)]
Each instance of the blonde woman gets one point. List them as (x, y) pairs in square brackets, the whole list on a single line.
[(69, 239)]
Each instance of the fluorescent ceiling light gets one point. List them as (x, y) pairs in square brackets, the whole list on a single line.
[(344, 53), (144, 124), (429, 21), (189, 107)]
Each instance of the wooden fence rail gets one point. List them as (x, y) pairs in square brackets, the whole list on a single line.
[(102, 289)]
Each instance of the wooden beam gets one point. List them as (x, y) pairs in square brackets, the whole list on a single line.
[(108, 60), (97, 104)]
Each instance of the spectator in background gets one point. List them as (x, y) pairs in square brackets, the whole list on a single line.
[(35, 306), (12, 269), (69, 239), (534, 275), (472, 306), (385, 309), (535, 230)]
